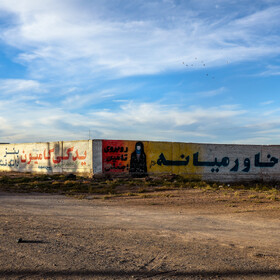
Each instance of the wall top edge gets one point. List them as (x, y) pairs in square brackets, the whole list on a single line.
[(32, 143), (196, 143)]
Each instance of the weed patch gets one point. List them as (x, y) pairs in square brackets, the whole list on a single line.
[(128, 186)]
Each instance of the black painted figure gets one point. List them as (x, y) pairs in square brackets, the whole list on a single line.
[(138, 167)]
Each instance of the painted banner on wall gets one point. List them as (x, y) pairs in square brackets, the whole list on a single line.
[(72, 156), (124, 157), (203, 161), (142, 157)]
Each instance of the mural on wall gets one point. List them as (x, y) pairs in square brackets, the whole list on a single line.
[(46, 157), (138, 165), (139, 158), (124, 157), (115, 156)]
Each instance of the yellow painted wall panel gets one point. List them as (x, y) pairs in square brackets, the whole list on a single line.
[(175, 158), (154, 150)]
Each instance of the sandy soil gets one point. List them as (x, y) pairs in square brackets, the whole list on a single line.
[(186, 234)]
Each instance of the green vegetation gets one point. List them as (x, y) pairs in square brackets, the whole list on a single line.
[(81, 187)]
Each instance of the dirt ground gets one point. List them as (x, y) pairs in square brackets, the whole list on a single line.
[(182, 234)]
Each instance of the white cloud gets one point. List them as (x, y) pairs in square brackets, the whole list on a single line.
[(72, 40), (211, 93), (163, 121), (27, 122), (268, 102), (271, 70), (11, 86), (75, 101), (264, 19)]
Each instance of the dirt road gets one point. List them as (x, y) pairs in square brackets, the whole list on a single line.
[(189, 235)]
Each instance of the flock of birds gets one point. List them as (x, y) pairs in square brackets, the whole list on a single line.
[(198, 64)]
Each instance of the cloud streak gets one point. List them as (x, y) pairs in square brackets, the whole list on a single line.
[(15, 86), (58, 35), (141, 121)]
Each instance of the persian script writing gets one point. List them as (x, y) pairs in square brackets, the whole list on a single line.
[(217, 164), (115, 159), (49, 155)]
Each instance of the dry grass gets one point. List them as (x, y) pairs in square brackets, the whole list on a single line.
[(141, 187)]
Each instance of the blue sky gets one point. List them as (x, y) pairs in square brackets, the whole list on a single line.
[(169, 70)]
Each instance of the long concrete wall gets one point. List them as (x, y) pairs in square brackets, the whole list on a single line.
[(214, 162), (50, 157)]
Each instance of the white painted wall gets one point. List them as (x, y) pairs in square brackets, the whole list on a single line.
[(50, 157)]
